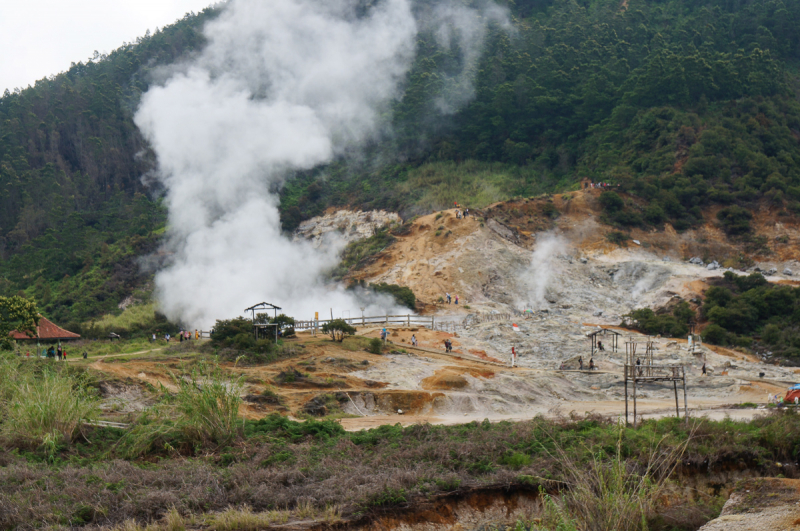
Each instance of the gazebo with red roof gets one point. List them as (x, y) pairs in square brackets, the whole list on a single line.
[(46, 331)]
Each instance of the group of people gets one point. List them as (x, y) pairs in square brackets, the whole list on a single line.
[(460, 214), (448, 345), (449, 299), (183, 335), (55, 352), (604, 186)]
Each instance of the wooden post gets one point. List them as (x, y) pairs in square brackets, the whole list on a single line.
[(626, 393), (677, 410), (409, 319), (634, 398), (685, 407)]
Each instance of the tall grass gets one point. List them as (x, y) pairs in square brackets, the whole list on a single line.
[(209, 402), (44, 409), (204, 410), (610, 493)]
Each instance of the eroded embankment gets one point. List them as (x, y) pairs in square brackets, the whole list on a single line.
[(694, 497)]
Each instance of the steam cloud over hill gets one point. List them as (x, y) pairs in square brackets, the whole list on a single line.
[(281, 86)]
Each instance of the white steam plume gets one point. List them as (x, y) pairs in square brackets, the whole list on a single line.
[(464, 29), (282, 85), (538, 275)]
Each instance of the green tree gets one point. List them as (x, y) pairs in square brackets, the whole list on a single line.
[(17, 313), (338, 328)]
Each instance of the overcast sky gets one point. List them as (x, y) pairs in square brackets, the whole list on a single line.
[(42, 37)]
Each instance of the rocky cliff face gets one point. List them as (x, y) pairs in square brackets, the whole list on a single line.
[(346, 225)]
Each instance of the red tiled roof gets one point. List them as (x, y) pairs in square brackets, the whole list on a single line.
[(45, 330)]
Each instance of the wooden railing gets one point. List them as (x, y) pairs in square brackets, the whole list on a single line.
[(376, 320), (654, 372)]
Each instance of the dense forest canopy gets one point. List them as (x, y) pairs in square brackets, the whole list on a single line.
[(684, 103)]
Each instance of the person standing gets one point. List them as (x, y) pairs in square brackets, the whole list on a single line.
[(513, 356), (180, 336), (704, 369), (580, 363), (64, 353), (591, 364), (58, 353), (447, 296), (196, 334), (456, 299), (413, 340)]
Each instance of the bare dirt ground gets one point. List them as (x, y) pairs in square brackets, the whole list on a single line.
[(567, 280)]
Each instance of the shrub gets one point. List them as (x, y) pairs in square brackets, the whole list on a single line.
[(402, 294), (715, 334), (611, 202), (734, 220), (648, 321), (338, 328), (654, 215), (227, 331), (618, 238), (549, 210), (375, 345)]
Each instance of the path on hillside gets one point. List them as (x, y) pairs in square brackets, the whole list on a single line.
[(96, 358)]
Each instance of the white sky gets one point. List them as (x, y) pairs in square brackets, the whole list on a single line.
[(39, 38)]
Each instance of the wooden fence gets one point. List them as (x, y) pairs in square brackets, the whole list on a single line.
[(379, 320)]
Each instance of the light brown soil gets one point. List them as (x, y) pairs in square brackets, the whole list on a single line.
[(764, 504)]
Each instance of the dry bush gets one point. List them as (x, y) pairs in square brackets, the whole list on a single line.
[(610, 493)]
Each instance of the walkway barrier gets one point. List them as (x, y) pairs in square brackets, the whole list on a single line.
[(380, 320)]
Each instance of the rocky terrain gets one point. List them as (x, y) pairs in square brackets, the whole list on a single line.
[(344, 225)]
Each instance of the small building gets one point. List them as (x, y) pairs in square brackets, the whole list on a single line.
[(47, 331)]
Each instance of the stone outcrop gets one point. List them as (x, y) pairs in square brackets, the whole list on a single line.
[(346, 225)]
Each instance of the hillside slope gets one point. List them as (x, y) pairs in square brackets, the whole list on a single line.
[(687, 105)]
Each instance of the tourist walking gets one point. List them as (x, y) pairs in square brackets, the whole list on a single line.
[(413, 340)]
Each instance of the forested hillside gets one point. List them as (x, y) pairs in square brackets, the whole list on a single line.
[(684, 103)]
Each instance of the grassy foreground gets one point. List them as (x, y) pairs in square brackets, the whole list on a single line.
[(191, 462)]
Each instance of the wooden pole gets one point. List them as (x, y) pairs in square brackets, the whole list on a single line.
[(626, 394), (634, 398), (675, 387), (685, 407)]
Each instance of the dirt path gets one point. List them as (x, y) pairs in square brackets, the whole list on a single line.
[(96, 358)]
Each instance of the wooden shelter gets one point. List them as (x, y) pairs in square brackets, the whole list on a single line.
[(610, 336), (258, 327), (46, 331)]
